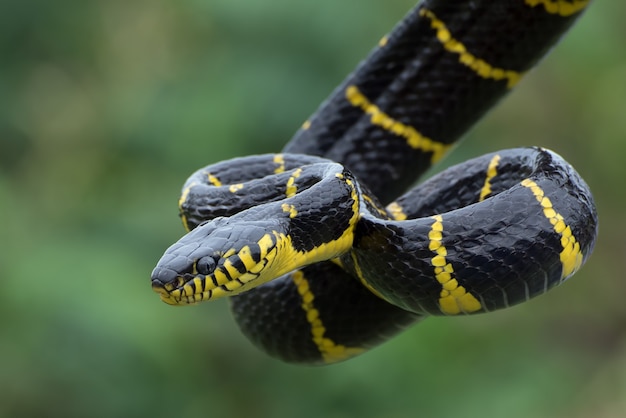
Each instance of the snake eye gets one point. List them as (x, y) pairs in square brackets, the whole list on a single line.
[(206, 265)]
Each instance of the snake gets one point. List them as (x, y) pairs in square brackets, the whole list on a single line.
[(320, 248)]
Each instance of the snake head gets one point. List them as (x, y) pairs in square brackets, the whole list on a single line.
[(218, 258)]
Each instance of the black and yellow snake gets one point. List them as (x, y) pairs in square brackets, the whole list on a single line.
[(320, 260)]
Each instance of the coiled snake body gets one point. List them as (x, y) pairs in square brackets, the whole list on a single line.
[(321, 262)]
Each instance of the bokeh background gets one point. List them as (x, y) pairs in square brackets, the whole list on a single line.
[(107, 106)]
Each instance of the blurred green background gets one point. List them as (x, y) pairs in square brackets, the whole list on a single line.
[(106, 107)]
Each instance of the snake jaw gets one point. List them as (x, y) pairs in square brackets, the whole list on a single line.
[(225, 280), (216, 260)]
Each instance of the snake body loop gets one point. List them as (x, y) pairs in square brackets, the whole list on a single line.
[(322, 259)]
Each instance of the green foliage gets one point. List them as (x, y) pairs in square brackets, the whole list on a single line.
[(107, 106)]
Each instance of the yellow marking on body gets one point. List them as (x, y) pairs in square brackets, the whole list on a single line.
[(355, 203), (571, 257), (291, 183), (183, 197), (379, 118), (279, 160), (492, 171), (383, 41), (306, 125), (331, 351), (185, 221), (559, 7), (214, 180), (185, 194), (481, 67), (396, 211), (338, 262), (453, 299), (361, 277), (369, 200), (235, 187), (290, 209)]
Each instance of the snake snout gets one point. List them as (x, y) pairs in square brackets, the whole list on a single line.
[(163, 279), (160, 276)]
